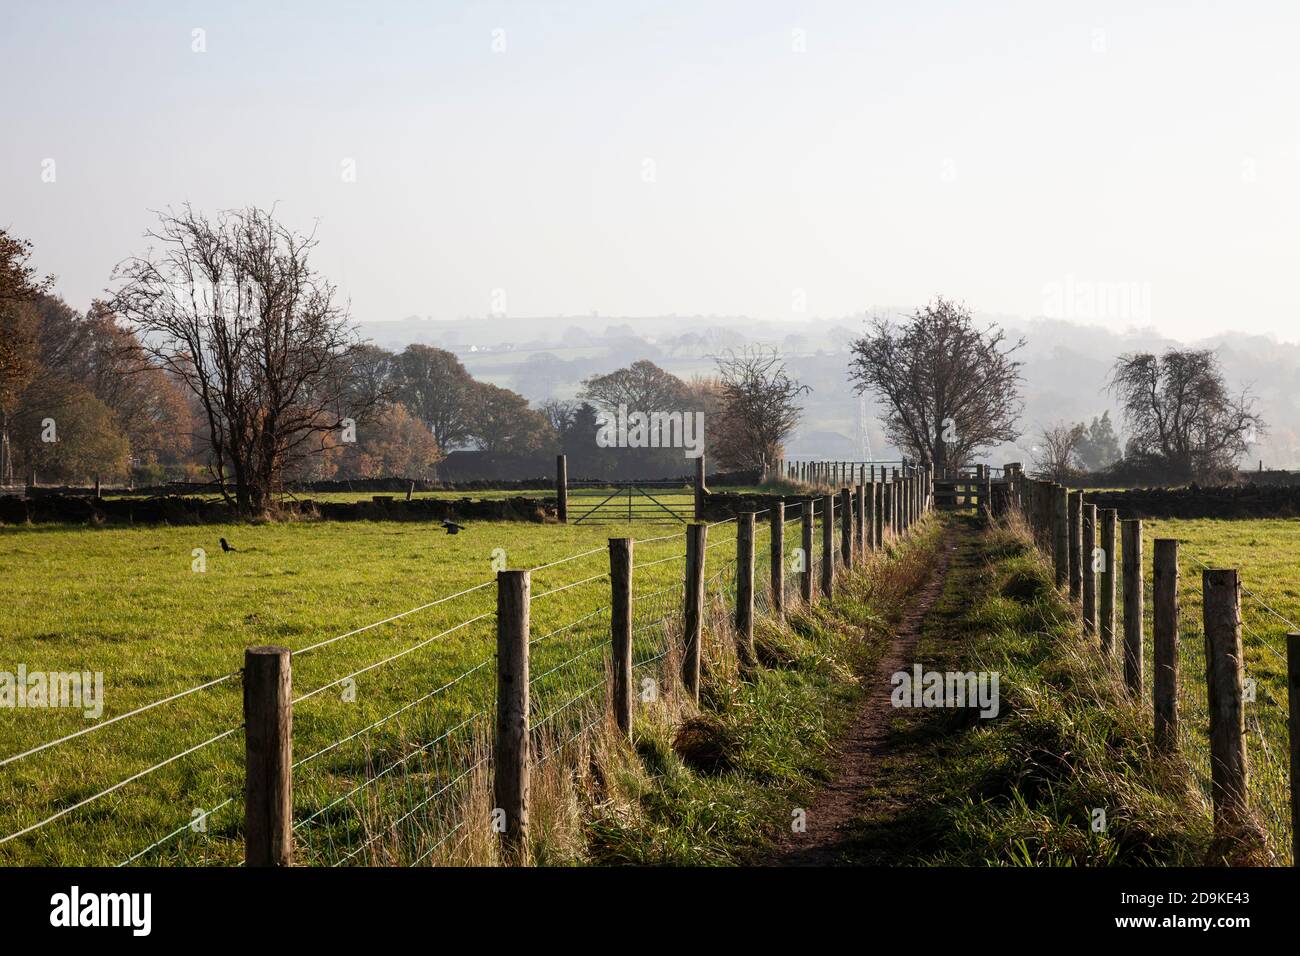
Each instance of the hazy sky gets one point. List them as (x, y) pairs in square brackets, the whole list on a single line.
[(700, 157)]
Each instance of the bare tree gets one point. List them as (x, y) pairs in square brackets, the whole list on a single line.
[(760, 407), (948, 387), (232, 307), (1179, 414), (1056, 457)]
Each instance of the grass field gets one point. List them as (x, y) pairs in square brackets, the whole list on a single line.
[(126, 602), (1264, 552)]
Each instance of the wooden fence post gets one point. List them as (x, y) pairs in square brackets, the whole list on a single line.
[(696, 542), (869, 515), (828, 546), (1089, 561), (562, 488), (1076, 547), (1293, 726), (700, 488), (777, 542), (1221, 609), (1132, 534), (806, 545), (745, 590), (1060, 535), (846, 528), (1106, 623), (860, 502), (1164, 626), (878, 521), (620, 618), (268, 757), (510, 756)]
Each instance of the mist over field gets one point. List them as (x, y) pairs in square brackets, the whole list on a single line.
[(1066, 372)]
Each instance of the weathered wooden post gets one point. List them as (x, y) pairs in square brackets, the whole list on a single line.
[(1076, 547), (745, 591), (860, 503), (1132, 534), (510, 757), (806, 544), (869, 515), (562, 489), (882, 506), (268, 757), (1060, 535), (97, 486), (1164, 625), (693, 619), (828, 546), (777, 560), (846, 528), (700, 488), (1089, 560), (1221, 609), (620, 626), (887, 499), (1293, 727), (1106, 622)]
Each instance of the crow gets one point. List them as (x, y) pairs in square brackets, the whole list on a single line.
[(452, 527), (226, 546)]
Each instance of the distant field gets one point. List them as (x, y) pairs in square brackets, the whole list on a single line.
[(126, 602), (1265, 552)]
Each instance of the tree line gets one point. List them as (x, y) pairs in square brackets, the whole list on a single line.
[(222, 353), (950, 392)]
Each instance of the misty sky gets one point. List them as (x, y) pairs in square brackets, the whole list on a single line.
[(649, 158)]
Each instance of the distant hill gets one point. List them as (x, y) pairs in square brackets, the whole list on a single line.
[(1066, 367)]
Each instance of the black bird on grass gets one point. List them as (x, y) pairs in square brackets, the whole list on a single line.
[(452, 527), (227, 547)]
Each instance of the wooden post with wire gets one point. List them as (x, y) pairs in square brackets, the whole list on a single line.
[(860, 507), (696, 543), (620, 626), (878, 519), (562, 489), (1089, 562), (511, 759), (1106, 582), (1221, 610), (700, 488), (268, 757), (1293, 726), (828, 546), (1075, 504), (777, 560), (1131, 531), (745, 590), (1061, 535), (1164, 626), (846, 528), (806, 546)]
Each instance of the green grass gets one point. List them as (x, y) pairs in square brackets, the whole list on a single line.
[(127, 602), (1263, 552), (1022, 789), (716, 788)]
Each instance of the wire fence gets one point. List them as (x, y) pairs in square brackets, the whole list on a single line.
[(393, 739), (1263, 699)]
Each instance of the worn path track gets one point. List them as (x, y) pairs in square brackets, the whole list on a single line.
[(867, 739)]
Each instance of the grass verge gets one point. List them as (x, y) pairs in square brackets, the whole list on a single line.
[(1065, 775)]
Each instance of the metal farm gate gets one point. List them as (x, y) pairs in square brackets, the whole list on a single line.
[(600, 502)]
